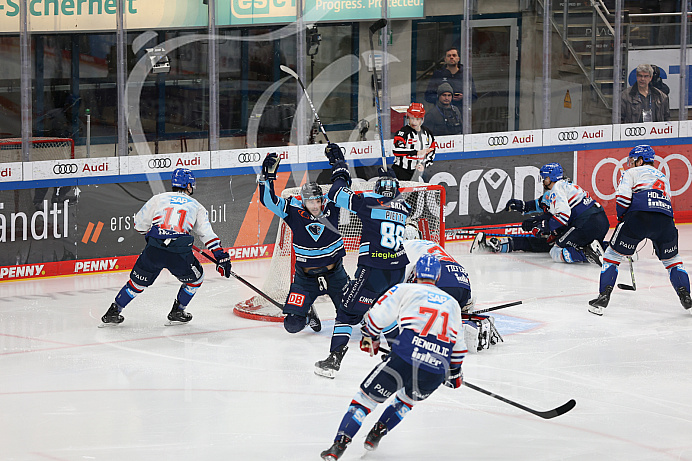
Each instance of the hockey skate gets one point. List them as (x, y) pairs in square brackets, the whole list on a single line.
[(597, 305), (479, 243), (313, 320), (685, 298), (178, 316), (594, 253), (337, 449), (113, 317), (378, 431), (329, 366)]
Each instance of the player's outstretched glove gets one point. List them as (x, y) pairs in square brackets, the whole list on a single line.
[(269, 166), (223, 262), (370, 345), (515, 205), (333, 153), (340, 171), (529, 224), (455, 379), (388, 172)]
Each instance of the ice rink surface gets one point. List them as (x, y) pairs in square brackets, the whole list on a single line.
[(227, 388)]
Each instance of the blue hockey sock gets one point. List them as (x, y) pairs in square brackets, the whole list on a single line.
[(609, 274), (572, 255), (678, 277), (353, 420), (394, 413), (187, 291), (127, 294), (341, 335)]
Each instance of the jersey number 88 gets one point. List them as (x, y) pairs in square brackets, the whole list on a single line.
[(392, 235)]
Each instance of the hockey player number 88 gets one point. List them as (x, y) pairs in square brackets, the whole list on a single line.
[(392, 235), (431, 321)]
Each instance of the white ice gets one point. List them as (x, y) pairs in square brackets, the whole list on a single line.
[(227, 388)]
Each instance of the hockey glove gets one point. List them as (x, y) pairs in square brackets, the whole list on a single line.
[(333, 153), (223, 262), (269, 166), (455, 379), (388, 172), (370, 345), (515, 205), (340, 171), (536, 221)]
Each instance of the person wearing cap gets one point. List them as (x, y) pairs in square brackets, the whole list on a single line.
[(452, 73), (444, 119), (414, 145)]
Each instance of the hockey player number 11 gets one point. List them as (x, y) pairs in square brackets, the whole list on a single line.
[(431, 321), (167, 220)]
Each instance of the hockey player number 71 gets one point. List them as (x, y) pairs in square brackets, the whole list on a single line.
[(431, 321)]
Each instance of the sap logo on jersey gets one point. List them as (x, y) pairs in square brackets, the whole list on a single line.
[(95, 266), (21, 271), (179, 199), (494, 187), (436, 299)]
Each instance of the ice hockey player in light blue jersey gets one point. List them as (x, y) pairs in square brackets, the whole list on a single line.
[(317, 244), (428, 352), (168, 220), (381, 256), (644, 211)]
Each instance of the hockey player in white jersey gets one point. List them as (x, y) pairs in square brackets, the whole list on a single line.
[(644, 210), (167, 220), (427, 353)]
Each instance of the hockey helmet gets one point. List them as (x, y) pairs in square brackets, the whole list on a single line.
[(416, 109), (182, 177), (428, 267), (386, 186), (553, 171), (644, 151), (311, 191)]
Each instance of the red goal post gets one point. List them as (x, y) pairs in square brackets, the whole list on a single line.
[(427, 202), (40, 148)]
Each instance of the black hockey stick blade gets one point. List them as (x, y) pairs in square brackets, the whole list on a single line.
[(242, 280), (623, 286), (501, 306), (377, 25), (555, 412)]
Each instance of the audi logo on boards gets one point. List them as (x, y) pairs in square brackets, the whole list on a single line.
[(160, 163), (498, 141), (567, 136), (249, 157), (635, 131), (65, 168)]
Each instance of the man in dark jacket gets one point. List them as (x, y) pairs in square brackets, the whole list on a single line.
[(444, 119), (451, 73), (643, 102)]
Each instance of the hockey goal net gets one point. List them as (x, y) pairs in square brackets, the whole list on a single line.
[(39, 149), (427, 202)]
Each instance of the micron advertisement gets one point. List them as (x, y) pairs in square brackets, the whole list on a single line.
[(97, 15)]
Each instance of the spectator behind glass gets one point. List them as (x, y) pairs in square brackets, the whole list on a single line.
[(643, 102), (451, 73), (444, 119)]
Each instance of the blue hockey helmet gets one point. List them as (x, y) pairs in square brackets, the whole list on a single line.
[(644, 151), (552, 171), (428, 267), (182, 177), (386, 186)]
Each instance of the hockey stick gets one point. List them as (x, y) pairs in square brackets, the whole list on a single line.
[(292, 73), (561, 410), (377, 25), (501, 306), (632, 287), (472, 234), (238, 277), (508, 226)]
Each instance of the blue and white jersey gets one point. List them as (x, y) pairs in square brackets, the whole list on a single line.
[(429, 324), (384, 223), (452, 275), (316, 241), (567, 201), (173, 214), (643, 188)]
